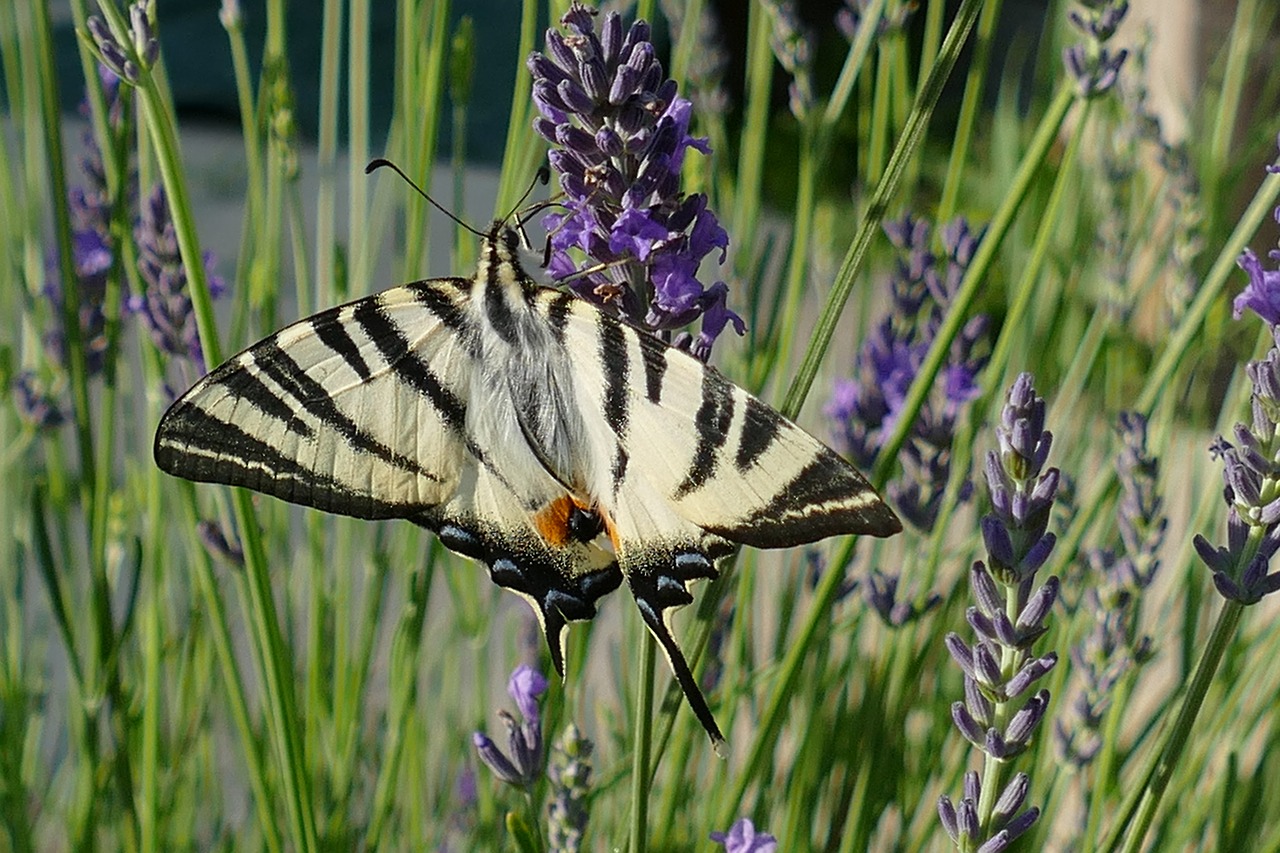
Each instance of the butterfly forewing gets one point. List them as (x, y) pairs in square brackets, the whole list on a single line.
[(322, 414)]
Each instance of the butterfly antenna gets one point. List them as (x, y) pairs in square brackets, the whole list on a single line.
[(379, 162), (543, 177)]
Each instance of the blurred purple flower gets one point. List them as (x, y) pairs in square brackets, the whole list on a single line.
[(1095, 67), (523, 767), (743, 837), (619, 134), (570, 776), (864, 410), (165, 306), (91, 209), (881, 595), (852, 16), (36, 406), (1116, 579)]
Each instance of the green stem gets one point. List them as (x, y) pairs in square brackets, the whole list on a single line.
[(974, 88), (1223, 630), (746, 203), (642, 747)]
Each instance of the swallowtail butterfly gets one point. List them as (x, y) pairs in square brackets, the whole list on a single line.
[(566, 450)]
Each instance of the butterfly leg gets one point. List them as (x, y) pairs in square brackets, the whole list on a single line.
[(659, 586)]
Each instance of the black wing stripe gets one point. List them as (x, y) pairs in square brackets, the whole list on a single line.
[(558, 311), (711, 422), (654, 353), (199, 446), (409, 368), (281, 367), (826, 497), (614, 360), (442, 307), (246, 385), (331, 330), (760, 429)]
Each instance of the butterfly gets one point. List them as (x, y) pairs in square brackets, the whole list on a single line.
[(564, 449)]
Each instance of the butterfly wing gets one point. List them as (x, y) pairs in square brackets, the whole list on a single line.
[(688, 463), (366, 410), (358, 410)]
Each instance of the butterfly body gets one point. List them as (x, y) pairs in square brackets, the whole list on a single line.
[(567, 451)]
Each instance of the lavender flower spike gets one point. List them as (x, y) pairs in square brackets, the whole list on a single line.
[(1095, 67), (570, 775), (1000, 715), (1251, 472), (628, 240), (165, 306), (524, 765)]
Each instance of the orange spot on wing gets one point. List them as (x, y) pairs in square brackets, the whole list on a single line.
[(552, 523)]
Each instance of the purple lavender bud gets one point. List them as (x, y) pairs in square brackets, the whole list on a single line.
[(985, 590), (1032, 617), (976, 702), (950, 821), (968, 815), (1023, 725), (967, 725), (525, 686), (142, 34), (985, 665), (998, 843), (743, 837), (1021, 823), (960, 653), (496, 761), (1228, 588), (1217, 559), (1011, 799), (524, 765)]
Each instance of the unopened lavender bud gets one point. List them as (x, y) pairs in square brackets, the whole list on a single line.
[(967, 816), (1037, 610), (985, 590), (960, 653), (145, 44), (986, 666), (1011, 798), (1022, 822), (1023, 724), (967, 725), (950, 820), (977, 703), (495, 760)]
